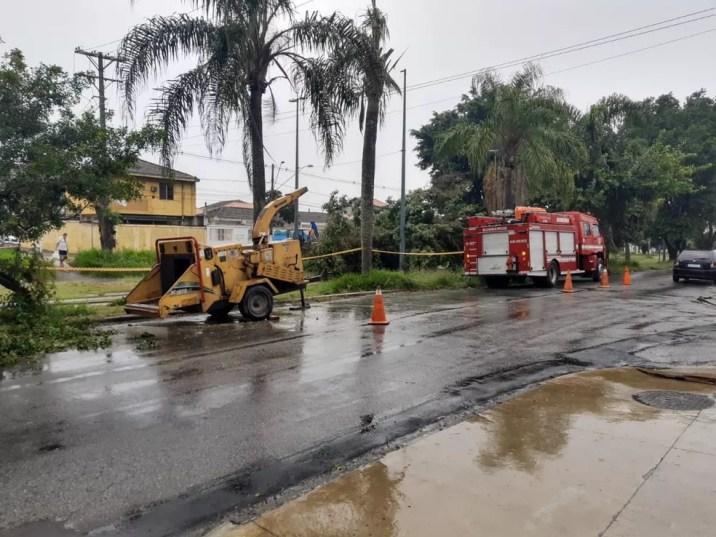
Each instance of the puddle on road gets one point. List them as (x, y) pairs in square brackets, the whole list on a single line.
[(564, 455)]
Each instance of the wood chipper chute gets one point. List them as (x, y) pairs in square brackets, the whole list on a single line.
[(191, 277)]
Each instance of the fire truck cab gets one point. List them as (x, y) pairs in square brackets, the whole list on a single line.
[(531, 243)]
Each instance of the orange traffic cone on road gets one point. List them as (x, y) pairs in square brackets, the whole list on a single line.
[(627, 276), (604, 279), (568, 287), (378, 316)]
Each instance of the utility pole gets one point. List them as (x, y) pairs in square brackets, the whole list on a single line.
[(297, 100), (99, 78), (272, 180), (401, 259), (101, 61)]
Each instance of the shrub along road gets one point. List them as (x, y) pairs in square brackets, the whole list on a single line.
[(182, 422)]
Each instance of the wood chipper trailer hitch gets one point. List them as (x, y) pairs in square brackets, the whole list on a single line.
[(214, 280)]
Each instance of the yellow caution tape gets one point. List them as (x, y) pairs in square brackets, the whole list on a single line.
[(427, 254), (89, 269), (352, 250), (332, 254), (311, 258)]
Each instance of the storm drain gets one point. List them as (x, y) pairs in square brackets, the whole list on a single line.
[(674, 400)]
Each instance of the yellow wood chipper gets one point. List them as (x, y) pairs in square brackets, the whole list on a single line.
[(214, 280)]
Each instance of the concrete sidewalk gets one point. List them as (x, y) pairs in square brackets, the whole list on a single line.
[(576, 456)]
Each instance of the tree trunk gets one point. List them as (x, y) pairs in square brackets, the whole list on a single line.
[(106, 227), (370, 137), (258, 170), (508, 188), (672, 249), (493, 189), (12, 284), (627, 253)]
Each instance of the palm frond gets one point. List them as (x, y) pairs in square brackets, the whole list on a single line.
[(175, 106), (149, 47)]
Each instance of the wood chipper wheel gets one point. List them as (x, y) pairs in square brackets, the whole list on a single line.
[(257, 303)]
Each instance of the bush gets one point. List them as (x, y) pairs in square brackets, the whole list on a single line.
[(387, 279), (26, 276), (28, 332), (95, 258)]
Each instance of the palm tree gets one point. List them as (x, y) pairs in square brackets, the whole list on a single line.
[(355, 81), (242, 50), (527, 147)]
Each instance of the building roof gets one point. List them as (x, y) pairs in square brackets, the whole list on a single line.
[(379, 204), (243, 210), (229, 204), (144, 168)]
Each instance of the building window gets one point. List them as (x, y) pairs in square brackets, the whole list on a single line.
[(220, 235), (166, 191)]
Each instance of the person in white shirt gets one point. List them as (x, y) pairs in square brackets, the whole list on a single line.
[(62, 249)]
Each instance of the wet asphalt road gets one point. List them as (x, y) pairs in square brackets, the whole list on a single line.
[(163, 435)]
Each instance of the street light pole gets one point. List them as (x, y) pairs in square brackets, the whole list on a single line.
[(297, 100), (401, 259)]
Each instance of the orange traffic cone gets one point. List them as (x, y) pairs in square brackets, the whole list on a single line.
[(568, 287), (627, 276), (378, 316), (604, 279)]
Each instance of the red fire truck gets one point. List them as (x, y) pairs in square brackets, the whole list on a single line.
[(530, 242)]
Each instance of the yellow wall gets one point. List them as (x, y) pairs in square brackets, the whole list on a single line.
[(183, 204), (83, 236)]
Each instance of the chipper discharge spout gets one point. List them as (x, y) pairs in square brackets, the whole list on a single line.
[(215, 279)]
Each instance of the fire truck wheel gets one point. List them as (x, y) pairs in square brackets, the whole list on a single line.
[(552, 275), (257, 303), (598, 272)]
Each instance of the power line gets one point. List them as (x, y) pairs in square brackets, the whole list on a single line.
[(630, 52), (323, 177), (611, 38)]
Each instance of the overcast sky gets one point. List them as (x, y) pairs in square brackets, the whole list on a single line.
[(438, 39)]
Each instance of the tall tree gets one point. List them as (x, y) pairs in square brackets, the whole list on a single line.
[(527, 145), (243, 47), (101, 159), (356, 80), (34, 165), (33, 160), (632, 179)]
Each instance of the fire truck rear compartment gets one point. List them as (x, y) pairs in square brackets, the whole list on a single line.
[(495, 251)]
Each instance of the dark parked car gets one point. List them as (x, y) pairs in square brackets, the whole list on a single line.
[(695, 265)]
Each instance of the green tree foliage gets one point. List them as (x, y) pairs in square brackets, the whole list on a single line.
[(34, 166), (34, 171), (638, 178), (342, 232), (51, 162), (100, 160), (355, 80), (646, 168), (526, 146)]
